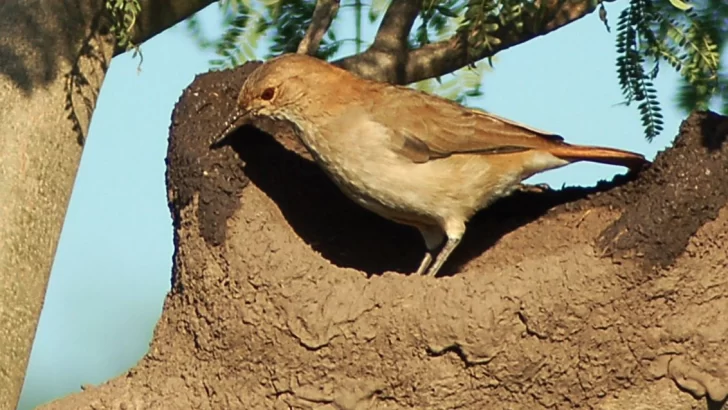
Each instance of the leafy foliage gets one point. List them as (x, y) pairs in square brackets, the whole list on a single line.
[(635, 80), (712, 18), (437, 21), (280, 25), (123, 16), (649, 33), (482, 18)]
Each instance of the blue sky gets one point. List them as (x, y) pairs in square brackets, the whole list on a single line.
[(113, 264)]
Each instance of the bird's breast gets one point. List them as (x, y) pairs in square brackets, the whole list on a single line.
[(360, 163), (360, 159)]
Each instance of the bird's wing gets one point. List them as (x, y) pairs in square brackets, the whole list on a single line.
[(425, 127)]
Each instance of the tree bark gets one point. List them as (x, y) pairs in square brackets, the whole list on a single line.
[(53, 58), (52, 63), (159, 15), (390, 60), (287, 295)]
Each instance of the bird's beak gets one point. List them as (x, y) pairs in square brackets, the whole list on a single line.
[(237, 120)]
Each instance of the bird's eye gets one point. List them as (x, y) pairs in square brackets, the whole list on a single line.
[(268, 94)]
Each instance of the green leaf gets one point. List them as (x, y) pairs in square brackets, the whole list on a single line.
[(681, 5), (446, 11)]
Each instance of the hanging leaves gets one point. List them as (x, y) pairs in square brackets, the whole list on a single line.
[(648, 35)]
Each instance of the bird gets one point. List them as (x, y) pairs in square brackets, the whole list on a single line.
[(411, 157)]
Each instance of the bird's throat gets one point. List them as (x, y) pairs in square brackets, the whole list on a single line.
[(317, 147)]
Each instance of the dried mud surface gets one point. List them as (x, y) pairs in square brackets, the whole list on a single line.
[(288, 296), (684, 188)]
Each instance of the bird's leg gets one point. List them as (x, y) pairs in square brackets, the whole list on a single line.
[(450, 246), (426, 261), (454, 232), (433, 237)]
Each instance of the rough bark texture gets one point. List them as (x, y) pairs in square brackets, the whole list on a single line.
[(288, 296), (53, 58), (159, 15), (52, 63)]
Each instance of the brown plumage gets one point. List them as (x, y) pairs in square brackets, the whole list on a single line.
[(411, 157)]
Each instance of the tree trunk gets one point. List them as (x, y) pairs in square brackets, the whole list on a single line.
[(288, 295), (53, 58), (52, 63)]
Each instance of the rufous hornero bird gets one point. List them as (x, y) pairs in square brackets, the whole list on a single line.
[(410, 157)]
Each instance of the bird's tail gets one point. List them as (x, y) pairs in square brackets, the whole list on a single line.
[(610, 156)]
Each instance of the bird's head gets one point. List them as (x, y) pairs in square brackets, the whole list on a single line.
[(278, 89)]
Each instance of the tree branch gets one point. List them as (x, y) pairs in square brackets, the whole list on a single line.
[(396, 25), (446, 56), (386, 59), (158, 15), (323, 16)]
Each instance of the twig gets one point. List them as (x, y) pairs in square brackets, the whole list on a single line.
[(386, 59), (396, 25), (446, 56), (323, 15)]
